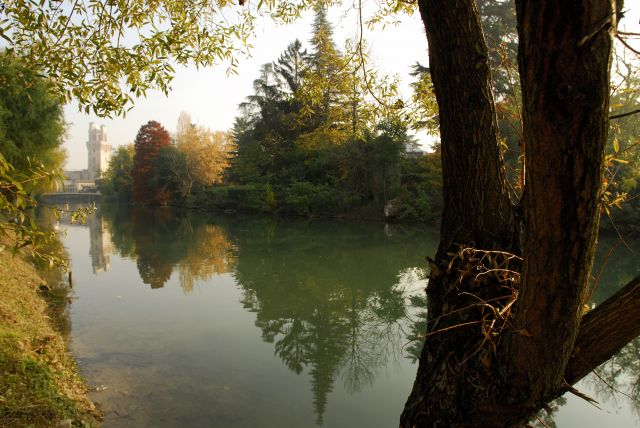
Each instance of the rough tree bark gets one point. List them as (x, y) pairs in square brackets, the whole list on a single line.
[(505, 331)]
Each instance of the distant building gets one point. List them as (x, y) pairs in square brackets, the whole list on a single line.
[(412, 149), (417, 154), (99, 151), (78, 181), (99, 155)]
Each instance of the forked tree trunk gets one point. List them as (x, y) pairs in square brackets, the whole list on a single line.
[(564, 58), (508, 284)]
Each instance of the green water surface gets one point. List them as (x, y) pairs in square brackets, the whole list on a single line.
[(186, 319)]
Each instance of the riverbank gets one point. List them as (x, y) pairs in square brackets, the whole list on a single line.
[(305, 200), (39, 382)]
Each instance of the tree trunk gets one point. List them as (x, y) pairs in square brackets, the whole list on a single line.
[(507, 286), (564, 58), (476, 198)]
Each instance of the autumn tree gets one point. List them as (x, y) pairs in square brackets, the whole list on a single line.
[(150, 139), (184, 125), (311, 120), (207, 154)]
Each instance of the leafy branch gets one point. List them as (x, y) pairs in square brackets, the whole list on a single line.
[(18, 226)]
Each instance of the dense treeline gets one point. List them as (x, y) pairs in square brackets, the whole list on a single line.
[(319, 136), (312, 139)]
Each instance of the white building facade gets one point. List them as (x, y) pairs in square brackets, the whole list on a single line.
[(99, 151), (99, 155)]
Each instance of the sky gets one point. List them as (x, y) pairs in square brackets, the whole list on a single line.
[(211, 96)]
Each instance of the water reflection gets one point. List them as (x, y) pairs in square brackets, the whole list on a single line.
[(619, 378), (100, 245), (100, 242), (161, 240), (209, 253), (328, 303), (620, 375), (334, 305), (337, 304)]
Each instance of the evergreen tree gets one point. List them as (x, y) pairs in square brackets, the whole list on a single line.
[(499, 24), (292, 66), (326, 84), (424, 100)]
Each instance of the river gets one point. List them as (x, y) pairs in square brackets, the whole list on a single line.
[(185, 319)]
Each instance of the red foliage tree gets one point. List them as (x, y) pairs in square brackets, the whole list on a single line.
[(151, 137)]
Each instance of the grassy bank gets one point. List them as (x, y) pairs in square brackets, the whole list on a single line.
[(39, 383)]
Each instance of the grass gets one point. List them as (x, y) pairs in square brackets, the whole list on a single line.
[(39, 382)]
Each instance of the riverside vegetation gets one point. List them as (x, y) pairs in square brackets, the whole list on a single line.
[(536, 225), (39, 382), (314, 140)]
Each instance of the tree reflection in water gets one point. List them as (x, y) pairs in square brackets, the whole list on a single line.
[(163, 239), (333, 300), (209, 253), (159, 244), (337, 301), (331, 303), (620, 376)]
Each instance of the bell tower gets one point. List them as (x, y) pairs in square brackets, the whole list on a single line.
[(99, 151)]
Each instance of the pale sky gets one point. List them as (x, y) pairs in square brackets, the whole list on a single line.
[(211, 97)]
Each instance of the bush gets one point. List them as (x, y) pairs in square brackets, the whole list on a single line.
[(248, 197), (298, 198), (302, 199)]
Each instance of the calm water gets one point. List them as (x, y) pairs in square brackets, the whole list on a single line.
[(186, 320)]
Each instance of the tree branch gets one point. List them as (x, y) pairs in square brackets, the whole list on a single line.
[(604, 331), (627, 45), (629, 113), (477, 205)]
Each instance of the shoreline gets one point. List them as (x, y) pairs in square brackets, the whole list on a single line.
[(40, 384)]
